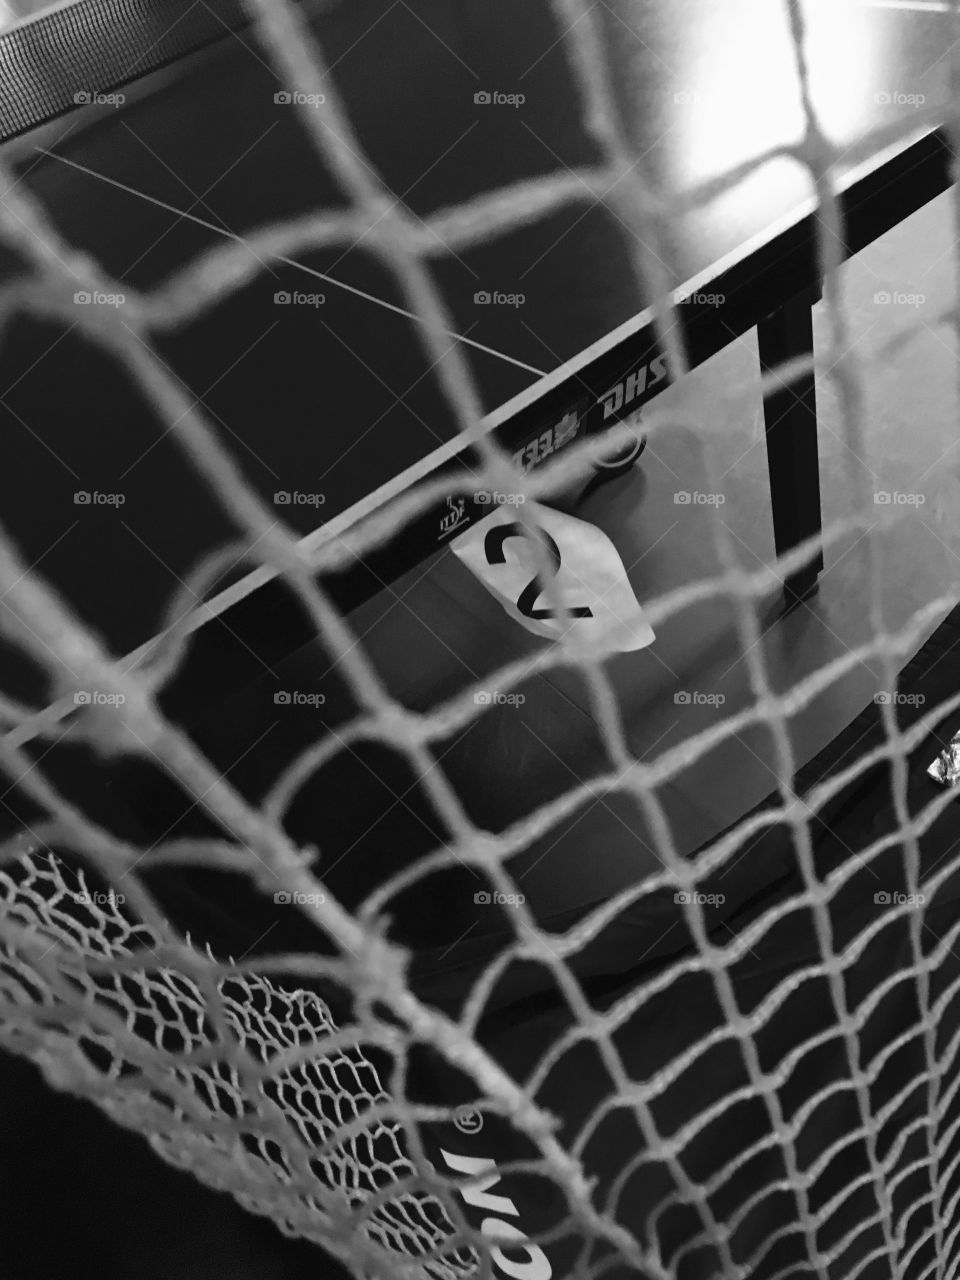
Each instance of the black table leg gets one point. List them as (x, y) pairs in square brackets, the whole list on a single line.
[(790, 415)]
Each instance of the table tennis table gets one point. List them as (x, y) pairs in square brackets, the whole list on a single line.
[(157, 137), (335, 399), (338, 397)]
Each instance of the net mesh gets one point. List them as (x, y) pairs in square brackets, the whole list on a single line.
[(252, 1084)]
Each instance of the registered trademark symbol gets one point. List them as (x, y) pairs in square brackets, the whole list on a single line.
[(468, 1120)]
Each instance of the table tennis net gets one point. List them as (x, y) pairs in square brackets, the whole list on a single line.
[(250, 1082)]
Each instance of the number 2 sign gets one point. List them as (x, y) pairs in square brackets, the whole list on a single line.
[(589, 579)]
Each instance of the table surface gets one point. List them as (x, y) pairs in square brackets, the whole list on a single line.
[(338, 399), (319, 396)]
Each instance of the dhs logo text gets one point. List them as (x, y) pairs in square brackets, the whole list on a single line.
[(634, 386)]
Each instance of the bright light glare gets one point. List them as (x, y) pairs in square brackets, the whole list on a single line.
[(745, 97)]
